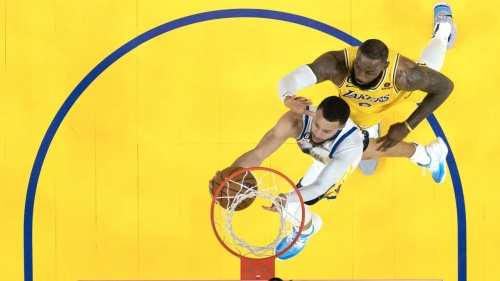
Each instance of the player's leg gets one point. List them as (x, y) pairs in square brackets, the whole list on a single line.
[(369, 165), (293, 214), (443, 37), (401, 149), (312, 225), (431, 156)]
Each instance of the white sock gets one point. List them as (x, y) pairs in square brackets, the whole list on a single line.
[(433, 54), (442, 31), (317, 222), (293, 214), (307, 231), (420, 156)]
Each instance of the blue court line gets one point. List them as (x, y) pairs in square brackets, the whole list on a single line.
[(459, 200), (181, 22)]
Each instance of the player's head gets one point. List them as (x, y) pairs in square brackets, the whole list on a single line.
[(331, 116), (369, 64)]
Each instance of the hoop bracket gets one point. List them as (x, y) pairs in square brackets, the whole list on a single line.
[(257, 269)]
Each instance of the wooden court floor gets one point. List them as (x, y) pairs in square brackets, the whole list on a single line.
[(115, 114)]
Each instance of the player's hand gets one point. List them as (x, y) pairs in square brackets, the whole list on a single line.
[(397, 132), (298, 105), (211, 184), (281, 199)]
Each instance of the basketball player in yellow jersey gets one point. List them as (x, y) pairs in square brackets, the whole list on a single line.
[(372, 79), (369, 99)]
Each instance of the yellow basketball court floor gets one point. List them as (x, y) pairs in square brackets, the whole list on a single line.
[(115, 114)]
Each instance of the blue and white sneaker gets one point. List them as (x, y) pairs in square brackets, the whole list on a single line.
[(437, 151), (301, 242), (442, 13)]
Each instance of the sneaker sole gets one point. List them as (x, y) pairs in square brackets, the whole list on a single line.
[(453, 34), (442, 160), (444, 147)]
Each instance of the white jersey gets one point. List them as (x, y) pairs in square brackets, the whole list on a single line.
[(333, 160)]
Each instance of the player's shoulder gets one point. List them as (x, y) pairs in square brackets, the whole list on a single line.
[(408, 69), (354, 132), (288, 126), (351, 126), (406, 64), (409, 74), (350, 142), (335, 57), (291, 120), (330, 66)]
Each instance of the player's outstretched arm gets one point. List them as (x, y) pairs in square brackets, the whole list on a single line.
[(334, 173), (329, 66), (411, 77), (288, 126)]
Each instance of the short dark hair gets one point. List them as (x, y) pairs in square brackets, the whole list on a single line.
[(374, 49), (275, 279), (335, 109)]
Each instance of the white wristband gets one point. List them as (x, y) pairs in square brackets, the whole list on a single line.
[(298, 79)]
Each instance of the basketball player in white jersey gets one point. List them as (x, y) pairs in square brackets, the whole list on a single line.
[(336, 145), (373, 78)]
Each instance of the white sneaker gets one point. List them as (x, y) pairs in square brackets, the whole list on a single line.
[(442, 13), (301, 242), (437, 151)]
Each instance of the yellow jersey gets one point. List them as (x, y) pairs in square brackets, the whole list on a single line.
[(368, 106)]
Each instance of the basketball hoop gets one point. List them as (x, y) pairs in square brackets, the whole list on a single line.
[(257, 262)]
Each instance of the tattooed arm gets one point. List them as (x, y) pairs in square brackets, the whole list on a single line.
[(411, 77), (329, 66)]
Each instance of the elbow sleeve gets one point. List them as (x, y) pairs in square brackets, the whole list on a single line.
[(298, 79)]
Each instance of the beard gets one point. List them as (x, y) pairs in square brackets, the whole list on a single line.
[(365, 86), (316, 144)]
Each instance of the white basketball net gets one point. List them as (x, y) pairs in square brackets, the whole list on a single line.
[(270, 185)]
